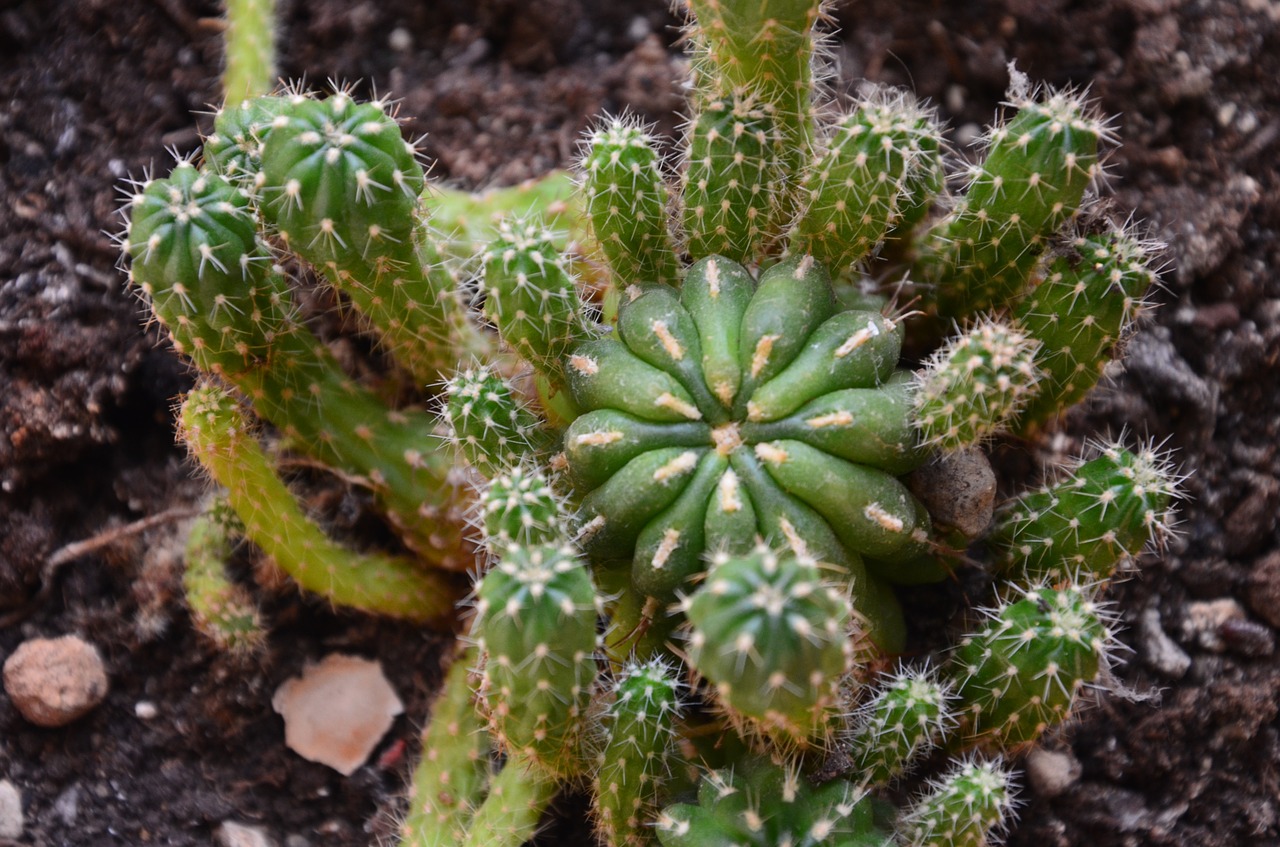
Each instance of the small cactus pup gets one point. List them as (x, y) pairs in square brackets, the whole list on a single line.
[(221, 610), (763, 804), (1021, 672), (773, 641), (970, 806), (907, 716), (1099, 518)]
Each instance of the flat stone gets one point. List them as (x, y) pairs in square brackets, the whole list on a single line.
[(232, 834), (337, 711), (54, 681)]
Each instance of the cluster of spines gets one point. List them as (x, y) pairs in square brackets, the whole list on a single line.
[(976, 385), (1031, 181), (536, 611), (638, 750), (519, 506), (905, 718), (773, 640), (871, 168), (493, 430), (1094, 521), (967, 807), (1020, 674), (627, 202)]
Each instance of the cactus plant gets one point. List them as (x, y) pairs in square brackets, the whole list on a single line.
[(685, 507)]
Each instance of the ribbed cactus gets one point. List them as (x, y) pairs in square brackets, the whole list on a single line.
[(221, 610), (686, 504)]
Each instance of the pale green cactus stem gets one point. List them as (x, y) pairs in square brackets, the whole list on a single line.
[(970, 806), (535, 625), (976, 385), (1031, 181), (1087, 526), (221, 610), (1021, 673), (627, 202), (1089, 299), (731, 179), (763, 804), (511, 813), (907, 716), (494, 431), (220, 437), (465, 222), (869, 166), (531, 297), (452, 778), (341, 186), (639, 747), (250, 50), (773, 640)]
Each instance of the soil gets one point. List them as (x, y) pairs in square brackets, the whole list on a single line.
[(1185, 748)]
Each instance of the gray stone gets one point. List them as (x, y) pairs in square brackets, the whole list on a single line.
[(959, 490), (11, 822)]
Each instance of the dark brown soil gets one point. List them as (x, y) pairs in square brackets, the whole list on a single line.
[(98, 89)]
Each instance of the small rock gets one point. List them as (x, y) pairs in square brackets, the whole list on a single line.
[(1264, 589), (1161, 651), (67, 805), (1051, 772), (145, 710), (959, 490), (54, 681), (11, 822), (337, 711), (232, 834), (1204, 620)]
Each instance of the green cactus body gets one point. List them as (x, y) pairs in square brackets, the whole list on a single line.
[(761, 804), (627, 201), (763, 50), (730, 181), (536, 625), (221, 610), (466, 222), (867, 169), (1036, 170), (234, 149), (976, 385), (905, 718), (773, 640), (493, 430), (341, 186), (968, 807), (520, 507), (251, 51), (636, 759), (720, 414), (1087, 526), (451, 779), (510, 815), (219, 436), (1020, 674), (1079, 313)]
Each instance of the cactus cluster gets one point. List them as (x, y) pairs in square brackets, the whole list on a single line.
[(686, 505)]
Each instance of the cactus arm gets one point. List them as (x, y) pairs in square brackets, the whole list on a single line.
[(250, 50), (221, 610), (967, 807), (451, 780), (219, 436), (509, 816)]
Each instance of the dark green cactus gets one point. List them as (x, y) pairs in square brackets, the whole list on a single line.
[(907, 716), (968, 807)]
